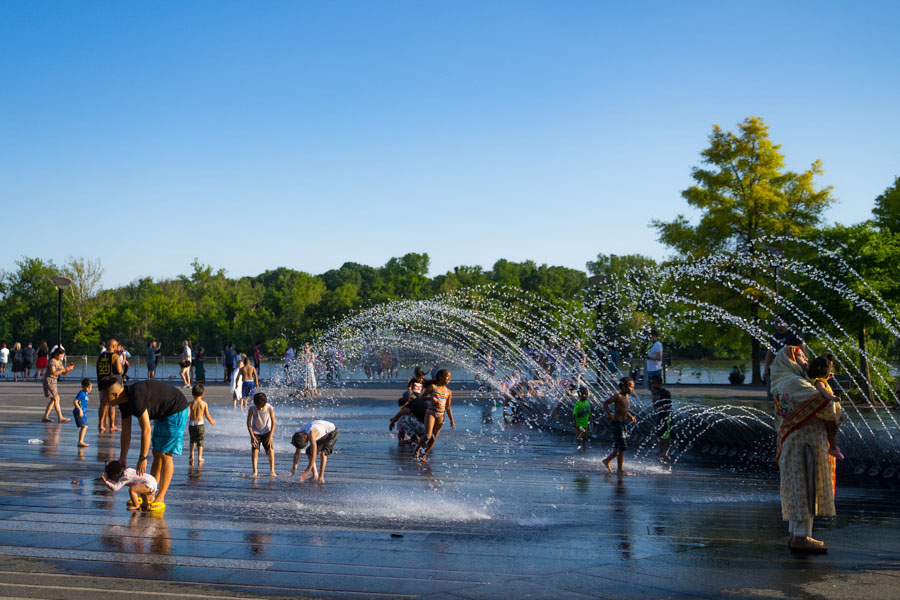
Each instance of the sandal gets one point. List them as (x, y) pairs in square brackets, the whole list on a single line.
[(157, 506)]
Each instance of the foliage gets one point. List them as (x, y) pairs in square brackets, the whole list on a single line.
[(887, 208)]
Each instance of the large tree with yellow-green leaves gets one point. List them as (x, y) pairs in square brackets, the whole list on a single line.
[(744, 193)]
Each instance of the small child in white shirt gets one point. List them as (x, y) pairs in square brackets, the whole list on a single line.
[(117, 476)]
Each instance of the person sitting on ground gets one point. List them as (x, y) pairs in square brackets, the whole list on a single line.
[(197, 412), (261, 425), (141, 488), (318, 437), (662, 412)]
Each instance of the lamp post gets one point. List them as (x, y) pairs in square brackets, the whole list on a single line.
[(61, 284), (597, 281)]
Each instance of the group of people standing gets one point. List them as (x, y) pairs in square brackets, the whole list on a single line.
[(24, 362)]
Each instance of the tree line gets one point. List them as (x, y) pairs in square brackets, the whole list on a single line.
[(744, 195)]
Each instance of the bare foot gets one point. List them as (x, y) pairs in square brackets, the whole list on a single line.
[(273, 474), (320, 480), (254, 474), (82, 445), (133, 508), (624, 473), (103, 430), (606, 464), (64, 419), (45, 420), (424, 458), (113, 429), (191, 462), (200, 460)]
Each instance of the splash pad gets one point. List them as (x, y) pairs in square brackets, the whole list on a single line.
[(489, 334)]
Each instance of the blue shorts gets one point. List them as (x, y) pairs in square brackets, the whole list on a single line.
[(80, 421), (619, 435), (247, 389), (168, 433)]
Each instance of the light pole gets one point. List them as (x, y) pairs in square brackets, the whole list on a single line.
[(61, 284)]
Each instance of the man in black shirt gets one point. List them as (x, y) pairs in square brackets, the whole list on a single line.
[(151, 400)]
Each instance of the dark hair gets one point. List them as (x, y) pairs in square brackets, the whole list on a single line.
[(259, 398), (820, 366), (418, 372), (114, 470), (655, 378), (107, 382), (57, 352), (85, 382), (441, 375), (654, 332), (583, 392), (198, 390), (623, 383)]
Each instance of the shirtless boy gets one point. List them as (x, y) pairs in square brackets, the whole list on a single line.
[(197, 412), (249, 378), (619, 417)]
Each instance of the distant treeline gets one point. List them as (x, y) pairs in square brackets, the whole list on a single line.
[(209, 308)]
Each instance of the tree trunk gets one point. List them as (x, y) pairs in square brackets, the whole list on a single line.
[(756, 376), (864, 384)]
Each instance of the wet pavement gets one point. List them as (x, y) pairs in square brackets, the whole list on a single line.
[(499, 512)]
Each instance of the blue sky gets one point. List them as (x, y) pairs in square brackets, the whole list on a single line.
[(253, 135)]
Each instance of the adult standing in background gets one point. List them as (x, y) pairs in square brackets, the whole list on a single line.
[(28, 359), (4, 359), (17, 360), (228, 359), (108, 365), (43, 356), (653, 358), (185, 363), (151, 359), (257, 357)]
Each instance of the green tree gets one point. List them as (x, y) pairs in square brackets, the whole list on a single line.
[(744, 194), (887, 208), (873, 254)]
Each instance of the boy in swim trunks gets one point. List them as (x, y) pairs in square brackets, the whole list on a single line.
[(197, 412), (116, 476), (249, 378), (620, 401), (320, 437), (261, 425)]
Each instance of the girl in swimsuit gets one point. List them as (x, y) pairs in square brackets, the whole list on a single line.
[(440, 397)]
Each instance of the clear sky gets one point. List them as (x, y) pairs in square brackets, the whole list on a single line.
[(253, 135)]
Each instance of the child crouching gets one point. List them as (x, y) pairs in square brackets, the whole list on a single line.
[(141, 488)]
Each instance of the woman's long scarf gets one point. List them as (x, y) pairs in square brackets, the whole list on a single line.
[(796, 399)]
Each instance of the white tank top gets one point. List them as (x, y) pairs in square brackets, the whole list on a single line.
[(260, 420)]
